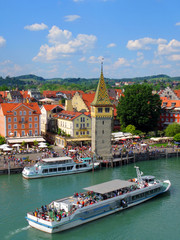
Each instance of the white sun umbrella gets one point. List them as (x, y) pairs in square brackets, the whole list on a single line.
[(6, 149), (3, 146), (16, 145)]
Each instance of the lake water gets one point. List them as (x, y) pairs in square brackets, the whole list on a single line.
[(156, 219)]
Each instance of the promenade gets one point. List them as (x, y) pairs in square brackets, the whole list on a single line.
[(122, 154)]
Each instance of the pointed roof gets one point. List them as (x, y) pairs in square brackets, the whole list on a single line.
[(101, 96)]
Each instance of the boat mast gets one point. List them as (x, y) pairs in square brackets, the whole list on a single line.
[(139, 178)]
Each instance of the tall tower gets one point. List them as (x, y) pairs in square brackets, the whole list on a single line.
[(101, 113)]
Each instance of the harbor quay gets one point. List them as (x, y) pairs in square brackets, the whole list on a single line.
[(11, 164)]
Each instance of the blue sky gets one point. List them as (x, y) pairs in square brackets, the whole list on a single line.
[(68, 38)]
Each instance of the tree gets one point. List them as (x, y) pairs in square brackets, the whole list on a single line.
[(2, 140), (130, 129), (172, 129), (139, 107), (177, 137)]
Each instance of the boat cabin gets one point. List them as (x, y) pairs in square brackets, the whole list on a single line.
[(148, 179), (57, 160)]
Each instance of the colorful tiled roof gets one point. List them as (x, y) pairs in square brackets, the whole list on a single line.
[(70, 115), (8, 108), (88, 98), (170, 103), (53, 93), (101, 96), (49, 107)]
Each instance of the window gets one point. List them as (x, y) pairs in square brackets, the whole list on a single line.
[(162, 119), (30, 125), (171, 119), (35, 119), (77, 125), (9, 126), (82, 119), (24, 112), (36, 132), (22, 119), (23, 133), (30, 132), (167, 120), (30, 113), (36, 125), (102, 131), (171, 114), (77, 133), (87, 132), (30, 119), (102, 122), (107, 110), (100, 110), (167, 114), (9, 133), (20, 112), (9, 119), (15, 133), (87, 124), (23, 126), (15, 126), (15, 113), (45, 171), (15, 119)]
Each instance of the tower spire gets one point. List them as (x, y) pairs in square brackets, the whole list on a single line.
[(101, 96)]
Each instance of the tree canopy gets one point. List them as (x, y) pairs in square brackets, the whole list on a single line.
[(172, 129), (177, 137), (139, 107)]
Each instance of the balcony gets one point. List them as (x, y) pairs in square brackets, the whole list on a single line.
[(23, 122)]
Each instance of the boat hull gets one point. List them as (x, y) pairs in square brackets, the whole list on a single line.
[(91, 213)]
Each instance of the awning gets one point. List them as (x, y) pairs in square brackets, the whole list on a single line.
[(78, 139), (26, 140), (110, 186)]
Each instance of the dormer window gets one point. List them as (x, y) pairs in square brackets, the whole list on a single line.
[(173, 104)]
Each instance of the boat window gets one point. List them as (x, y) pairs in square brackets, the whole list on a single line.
[(53, 170), (69, 168), (62, 169), (77, 166), (45, 171)]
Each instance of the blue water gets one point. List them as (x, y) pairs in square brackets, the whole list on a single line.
[(157, 219)]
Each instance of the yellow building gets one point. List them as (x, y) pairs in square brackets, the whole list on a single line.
[(75, 125)]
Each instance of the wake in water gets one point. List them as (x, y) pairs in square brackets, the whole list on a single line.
[(16, 231)]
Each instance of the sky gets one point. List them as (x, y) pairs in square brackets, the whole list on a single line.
[(70, 38)]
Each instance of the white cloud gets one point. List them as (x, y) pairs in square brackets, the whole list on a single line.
[(177, 24), (82, 59), (36, 27), (140, 56), (111, 45), (2, 41), (172, 47), (121, 62), (63, 43), (165, 66), (174, 57), (71, 18), (94, 59), (144, 43)]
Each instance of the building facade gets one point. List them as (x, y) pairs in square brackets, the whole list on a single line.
[(20, 119)]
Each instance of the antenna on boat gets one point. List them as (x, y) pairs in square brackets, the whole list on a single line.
[(139, 174)]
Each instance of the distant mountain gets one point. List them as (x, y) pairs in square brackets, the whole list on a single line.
[(30, 77)]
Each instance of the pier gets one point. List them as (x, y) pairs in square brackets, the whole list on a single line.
[(116, 161)]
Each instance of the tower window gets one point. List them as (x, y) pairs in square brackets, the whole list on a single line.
[(102, 122), (102, 131), (100, 110), (107, 110)]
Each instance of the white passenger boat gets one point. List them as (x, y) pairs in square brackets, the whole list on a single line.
[(49, 167), (98, 201)]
